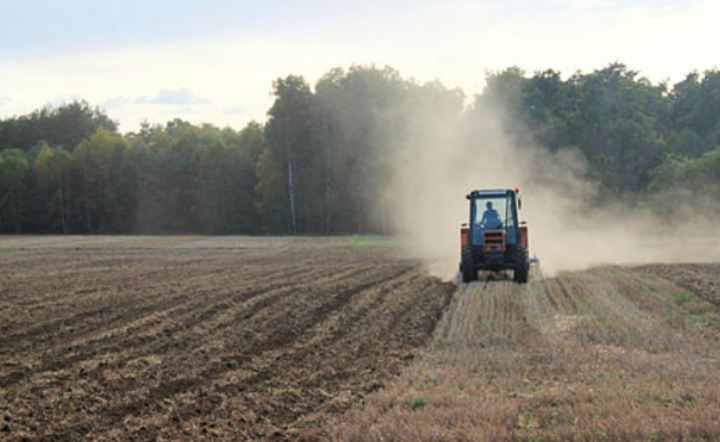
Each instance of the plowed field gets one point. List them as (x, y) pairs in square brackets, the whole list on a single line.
[(610, 354), (143, 339)]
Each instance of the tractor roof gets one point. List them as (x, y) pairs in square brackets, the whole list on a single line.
[(489, 193)]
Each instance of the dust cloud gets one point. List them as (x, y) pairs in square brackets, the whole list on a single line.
[(444, 158)]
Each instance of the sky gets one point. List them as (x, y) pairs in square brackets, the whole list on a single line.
[(214, 61)]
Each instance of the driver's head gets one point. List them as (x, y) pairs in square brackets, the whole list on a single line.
[(488, 205)]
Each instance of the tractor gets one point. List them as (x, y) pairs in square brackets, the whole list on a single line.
[(494, 239)]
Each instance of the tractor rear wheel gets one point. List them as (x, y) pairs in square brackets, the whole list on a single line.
[(467, 266), (522, 265)]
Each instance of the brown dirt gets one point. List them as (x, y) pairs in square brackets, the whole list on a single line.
[(610, 354), (142, 339), (701, 279)]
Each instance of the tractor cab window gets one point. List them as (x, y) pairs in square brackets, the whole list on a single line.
[(492, 213)]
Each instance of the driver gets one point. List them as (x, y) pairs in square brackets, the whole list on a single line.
[(491, 218)]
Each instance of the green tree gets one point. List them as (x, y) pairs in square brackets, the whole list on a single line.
[(65, 126), (94, 164), (504, 91), (547, 105), (695, 105), (52, 169), (619, 121), (14, 170), (360, 117), (686, 188), (290, 137), (271, 194)]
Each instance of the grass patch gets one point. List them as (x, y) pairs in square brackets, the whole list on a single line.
[(683, 298), (4, 250), (682, 306), (685, 305), (417, 403), (370, 242), (702, 320), (614, 270)]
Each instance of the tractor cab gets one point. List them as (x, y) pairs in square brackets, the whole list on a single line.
[(494, 239), (493, 214)]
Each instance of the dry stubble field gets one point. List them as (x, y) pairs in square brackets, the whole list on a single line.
[(609, 354), (111, 338)]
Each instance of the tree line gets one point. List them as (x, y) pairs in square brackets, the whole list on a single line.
[(322, 161)]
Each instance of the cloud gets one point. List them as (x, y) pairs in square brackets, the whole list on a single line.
[(114, 103), (175, 97), (63, 100), (235, 110), (174, 111), (5, 100)]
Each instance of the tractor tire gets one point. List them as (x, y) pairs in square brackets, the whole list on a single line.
[(467, 267), (522, 265)]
